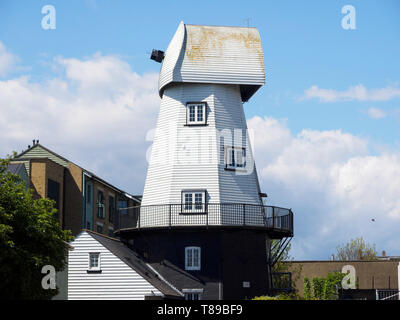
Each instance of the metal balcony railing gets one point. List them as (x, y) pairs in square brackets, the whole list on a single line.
[(210, 214)]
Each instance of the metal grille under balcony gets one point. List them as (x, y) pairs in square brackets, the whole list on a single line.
[(227, 214)]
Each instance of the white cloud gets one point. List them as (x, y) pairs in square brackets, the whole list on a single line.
[(376, 113), (7, 60), (358, 92), (332, 183), (97, 115)]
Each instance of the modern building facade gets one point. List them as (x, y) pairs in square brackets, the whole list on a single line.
[(83, 200), (202, 209)]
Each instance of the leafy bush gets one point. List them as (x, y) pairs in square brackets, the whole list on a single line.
[(282, 296), (323, 288)]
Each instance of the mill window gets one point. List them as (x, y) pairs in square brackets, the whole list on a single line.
[(235, 158), (196, 113), (194, 201), (192, 258)]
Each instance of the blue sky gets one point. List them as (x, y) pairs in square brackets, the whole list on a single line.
[(304, 45), (309, 100)]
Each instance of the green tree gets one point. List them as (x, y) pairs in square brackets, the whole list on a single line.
[(355, 249), (30, 238)]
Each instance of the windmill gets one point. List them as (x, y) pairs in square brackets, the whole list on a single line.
[(202, 208)]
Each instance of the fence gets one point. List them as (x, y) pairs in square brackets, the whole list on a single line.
[(231, 214), (387, 294)]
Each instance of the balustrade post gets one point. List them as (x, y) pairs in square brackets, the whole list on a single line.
[(291, 221), (169, 223), (119, 219), (139, 216), (206, 211), (244, 214), (273, 217)]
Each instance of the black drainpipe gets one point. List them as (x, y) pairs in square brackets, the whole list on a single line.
[(63, 207)]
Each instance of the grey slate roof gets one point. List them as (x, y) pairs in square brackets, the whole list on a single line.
[(177, 276), (133, 260)]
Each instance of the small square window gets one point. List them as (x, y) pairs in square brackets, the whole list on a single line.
[(192, 258), (194, 201), (94, 261), (235, 158), (196, 113)]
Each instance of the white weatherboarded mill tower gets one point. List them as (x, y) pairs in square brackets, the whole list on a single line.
[(201, 147), (202, 207)]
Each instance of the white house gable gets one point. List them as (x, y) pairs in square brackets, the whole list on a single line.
[(114, 279)]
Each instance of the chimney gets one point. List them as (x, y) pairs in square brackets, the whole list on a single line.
[(383, 253)]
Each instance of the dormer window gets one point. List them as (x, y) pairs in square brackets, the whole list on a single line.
[(196, 113), (235, 158)]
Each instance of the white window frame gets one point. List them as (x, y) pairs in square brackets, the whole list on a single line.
[(189, 293), (235, 164), (194, 195), (190, 263), (196, 106), (90, 267), (101, 205)]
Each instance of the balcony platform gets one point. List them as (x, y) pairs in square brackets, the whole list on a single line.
[(275, 221)]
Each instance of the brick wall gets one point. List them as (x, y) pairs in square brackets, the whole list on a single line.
[(73, 199), (377, 274), (41, 170), (38, 177), (55, 172), (106, 193)]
